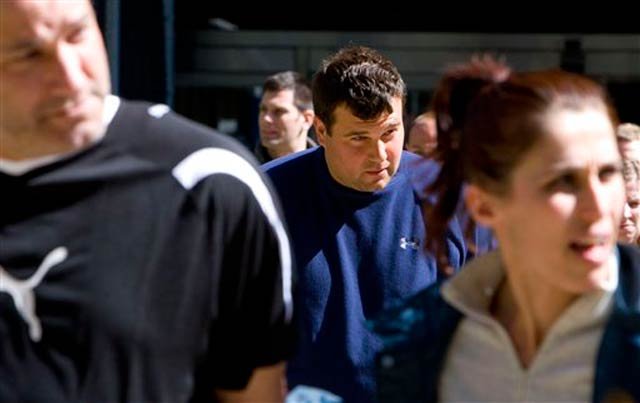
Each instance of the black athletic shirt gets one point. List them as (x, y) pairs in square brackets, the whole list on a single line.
[(152, 266)]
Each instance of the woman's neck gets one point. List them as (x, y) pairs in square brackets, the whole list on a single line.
[(528, 313)]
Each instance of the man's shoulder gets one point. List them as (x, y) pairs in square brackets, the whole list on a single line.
[(159, 122), (422, 171), (293, 165), (155, 132)]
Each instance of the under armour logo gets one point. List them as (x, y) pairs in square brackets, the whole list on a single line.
[(413, 243), (22, 290)]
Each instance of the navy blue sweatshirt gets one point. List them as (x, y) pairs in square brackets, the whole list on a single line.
[(357, 253)]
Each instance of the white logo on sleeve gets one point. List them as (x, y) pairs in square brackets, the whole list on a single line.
[(412, 243), (158, 110), (22, 290)]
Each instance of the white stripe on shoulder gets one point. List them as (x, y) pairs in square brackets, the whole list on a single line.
[(211, 161)]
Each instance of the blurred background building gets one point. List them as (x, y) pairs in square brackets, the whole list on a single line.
[(209, 63)]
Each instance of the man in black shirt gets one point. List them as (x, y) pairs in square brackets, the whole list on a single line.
[(142, 256)]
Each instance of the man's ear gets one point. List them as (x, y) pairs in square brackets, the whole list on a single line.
[(321, 130), (308, 117), (481, 205)]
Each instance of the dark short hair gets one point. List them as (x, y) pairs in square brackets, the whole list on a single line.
[(359, 77), (291, 80)]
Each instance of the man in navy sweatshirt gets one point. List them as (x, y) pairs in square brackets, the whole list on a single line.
[(355, 219)]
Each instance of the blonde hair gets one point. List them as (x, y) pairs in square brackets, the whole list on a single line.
[(628, 132), (631, 170)]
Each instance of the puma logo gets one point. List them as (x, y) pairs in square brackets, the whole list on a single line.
[(22, 290)]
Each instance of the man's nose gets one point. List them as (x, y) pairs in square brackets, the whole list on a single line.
[(378, 151), (67, 71)]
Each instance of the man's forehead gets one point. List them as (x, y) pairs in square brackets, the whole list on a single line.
[(343, 109), (282, 95), (23, 18)]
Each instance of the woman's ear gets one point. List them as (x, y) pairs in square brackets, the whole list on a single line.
[(482, 206)]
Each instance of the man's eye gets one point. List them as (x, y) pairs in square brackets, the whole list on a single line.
[(389, 134), (77, 34), (28, 54)]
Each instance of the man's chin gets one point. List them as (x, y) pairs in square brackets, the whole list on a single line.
[(77, 135), (374, 186), (268, 143)]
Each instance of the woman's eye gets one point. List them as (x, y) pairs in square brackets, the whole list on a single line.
[(563, 182), (609, 171)]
